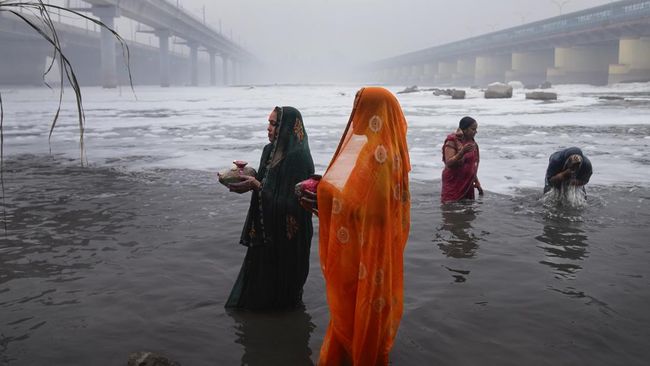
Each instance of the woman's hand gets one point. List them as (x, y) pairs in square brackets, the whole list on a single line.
[(309, 201), (560, 177), (477, 185), (467, 148), (246, 183)]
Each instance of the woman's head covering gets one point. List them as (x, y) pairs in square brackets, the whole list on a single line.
[(275, 210), (376, 120), (292, 137), (364, 204)]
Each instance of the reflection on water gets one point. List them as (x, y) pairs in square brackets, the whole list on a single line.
[(456, 237), (572, 292), (280, 338), (565, 246)]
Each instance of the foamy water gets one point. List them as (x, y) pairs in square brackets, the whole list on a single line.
[(207, 128)]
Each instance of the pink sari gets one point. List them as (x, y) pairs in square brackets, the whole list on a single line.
[(458, 181)]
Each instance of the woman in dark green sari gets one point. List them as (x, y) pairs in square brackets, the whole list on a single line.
[(277, 231)]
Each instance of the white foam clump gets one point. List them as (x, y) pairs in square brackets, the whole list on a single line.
[(569, 196)]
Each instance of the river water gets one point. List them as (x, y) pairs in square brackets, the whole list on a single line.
[(138, 249)]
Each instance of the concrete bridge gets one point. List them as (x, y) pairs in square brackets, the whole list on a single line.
[(604, 44), (97, 58)]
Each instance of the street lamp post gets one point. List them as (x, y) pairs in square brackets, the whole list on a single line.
[(560, 4)]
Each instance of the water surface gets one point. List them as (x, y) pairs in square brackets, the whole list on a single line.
[(138, 250)]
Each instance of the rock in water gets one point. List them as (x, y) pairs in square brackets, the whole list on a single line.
[(458, 94), (410, 89), (498, 90), (150, 359), (541, 95)]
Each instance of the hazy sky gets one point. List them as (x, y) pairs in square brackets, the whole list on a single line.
[(306, 36)]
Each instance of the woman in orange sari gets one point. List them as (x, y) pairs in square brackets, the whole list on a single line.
[(363, 206)]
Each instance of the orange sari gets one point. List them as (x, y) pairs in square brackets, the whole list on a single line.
[(364, 215)]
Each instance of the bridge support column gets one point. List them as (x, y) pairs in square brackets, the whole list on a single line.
[(213, 67), (633, 61), (530, 67), (224, 69), (465, 70), (404, 73), (163, 42), (107, 15), (446, 70), (194, 63), (429, 73), (490, 69), (416, 74), (395, 74), (583, 65)]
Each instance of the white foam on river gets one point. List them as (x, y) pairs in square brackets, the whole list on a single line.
[(206, 128)]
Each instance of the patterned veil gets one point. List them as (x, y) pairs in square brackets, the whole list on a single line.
[(364, 207)]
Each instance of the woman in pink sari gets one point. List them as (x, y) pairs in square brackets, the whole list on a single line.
[(461, 157)]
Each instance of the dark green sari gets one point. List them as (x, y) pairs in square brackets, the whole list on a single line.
[(278, 230)]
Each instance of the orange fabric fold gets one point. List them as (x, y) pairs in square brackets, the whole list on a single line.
[(364, 213)]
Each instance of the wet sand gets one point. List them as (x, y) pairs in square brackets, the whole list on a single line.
[(97, 263)]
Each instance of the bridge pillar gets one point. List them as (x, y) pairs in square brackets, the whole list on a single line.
[(583, 64), (446, 70), (465, 70), (194, 63), (107, 15), (429, 73), (213, 67), (490, 69), (416, 74), (224, 69), (163, 43), (403, 75), (633, 61), (530, 67)]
